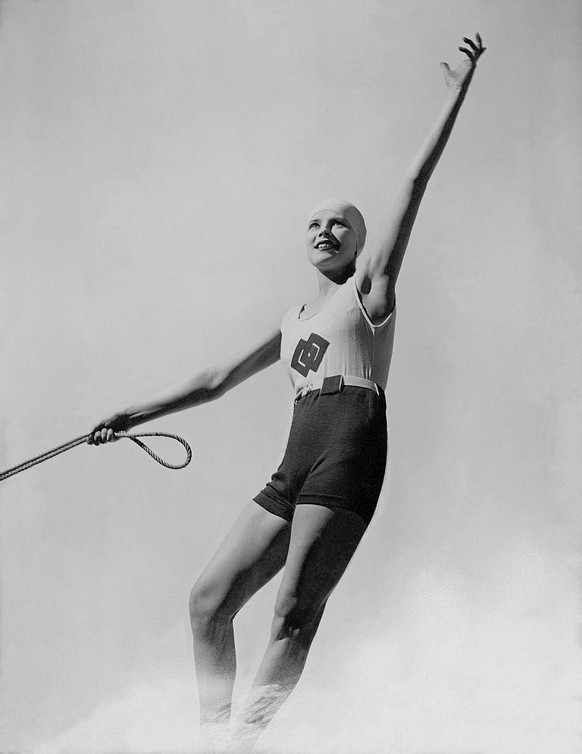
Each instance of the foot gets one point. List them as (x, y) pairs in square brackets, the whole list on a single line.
[(260, 707), (214, 738)]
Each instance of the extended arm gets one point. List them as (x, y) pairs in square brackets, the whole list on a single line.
[(205, 386), (377, 270)]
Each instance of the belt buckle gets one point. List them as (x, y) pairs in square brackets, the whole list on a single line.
[(303, 392), (332, 385)]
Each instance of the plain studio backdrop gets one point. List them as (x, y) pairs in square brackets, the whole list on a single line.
[(159, 159)]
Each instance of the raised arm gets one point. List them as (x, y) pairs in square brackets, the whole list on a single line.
[(377, 269), (205, 386)]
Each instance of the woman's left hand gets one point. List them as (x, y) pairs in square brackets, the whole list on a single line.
[(459, 77)]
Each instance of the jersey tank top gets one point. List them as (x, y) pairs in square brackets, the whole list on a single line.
[(337, 339)]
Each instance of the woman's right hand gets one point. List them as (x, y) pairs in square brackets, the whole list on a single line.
[(106, 430)]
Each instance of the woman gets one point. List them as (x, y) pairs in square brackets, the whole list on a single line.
[(312, 514)]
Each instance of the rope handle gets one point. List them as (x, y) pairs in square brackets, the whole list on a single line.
[(121, 435), (143, 446)]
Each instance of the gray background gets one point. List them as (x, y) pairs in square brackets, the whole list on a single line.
[(158, 163)]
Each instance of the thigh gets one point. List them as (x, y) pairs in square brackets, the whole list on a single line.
[(253, 551), (321, 546)]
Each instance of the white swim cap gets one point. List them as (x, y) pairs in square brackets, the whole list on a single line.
[(350, 213)]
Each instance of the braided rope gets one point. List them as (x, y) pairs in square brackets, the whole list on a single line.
[(83, 439)]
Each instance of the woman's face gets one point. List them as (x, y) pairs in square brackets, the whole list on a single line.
[(331, 243)]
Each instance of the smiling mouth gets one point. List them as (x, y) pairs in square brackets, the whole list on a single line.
[(326, 246)]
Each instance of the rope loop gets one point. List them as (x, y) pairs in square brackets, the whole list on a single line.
[(83, 439), (155, 456)]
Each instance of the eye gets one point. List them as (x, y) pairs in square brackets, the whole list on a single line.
[(313, 225)]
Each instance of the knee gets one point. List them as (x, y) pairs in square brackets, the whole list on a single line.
[(206, 605), (295, 619)]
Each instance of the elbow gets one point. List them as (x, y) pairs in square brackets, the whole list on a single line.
[(416, 178), (216, 384), (419, 179), (208, 386)]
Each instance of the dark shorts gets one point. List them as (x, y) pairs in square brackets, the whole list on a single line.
[(335, 455)]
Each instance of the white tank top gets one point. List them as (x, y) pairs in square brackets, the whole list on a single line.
[(338, 339)]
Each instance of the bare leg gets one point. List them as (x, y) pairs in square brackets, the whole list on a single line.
[(322, 544), (252, 553)]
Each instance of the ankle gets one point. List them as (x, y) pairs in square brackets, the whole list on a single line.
[(216, 714)]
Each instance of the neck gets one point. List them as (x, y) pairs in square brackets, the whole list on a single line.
[(328, 284)]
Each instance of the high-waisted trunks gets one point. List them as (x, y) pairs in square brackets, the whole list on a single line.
[(335, 455)]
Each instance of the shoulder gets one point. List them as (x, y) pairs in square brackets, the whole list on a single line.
[(291, 315)]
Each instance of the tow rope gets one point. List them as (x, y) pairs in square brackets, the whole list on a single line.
[(120, 435)]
